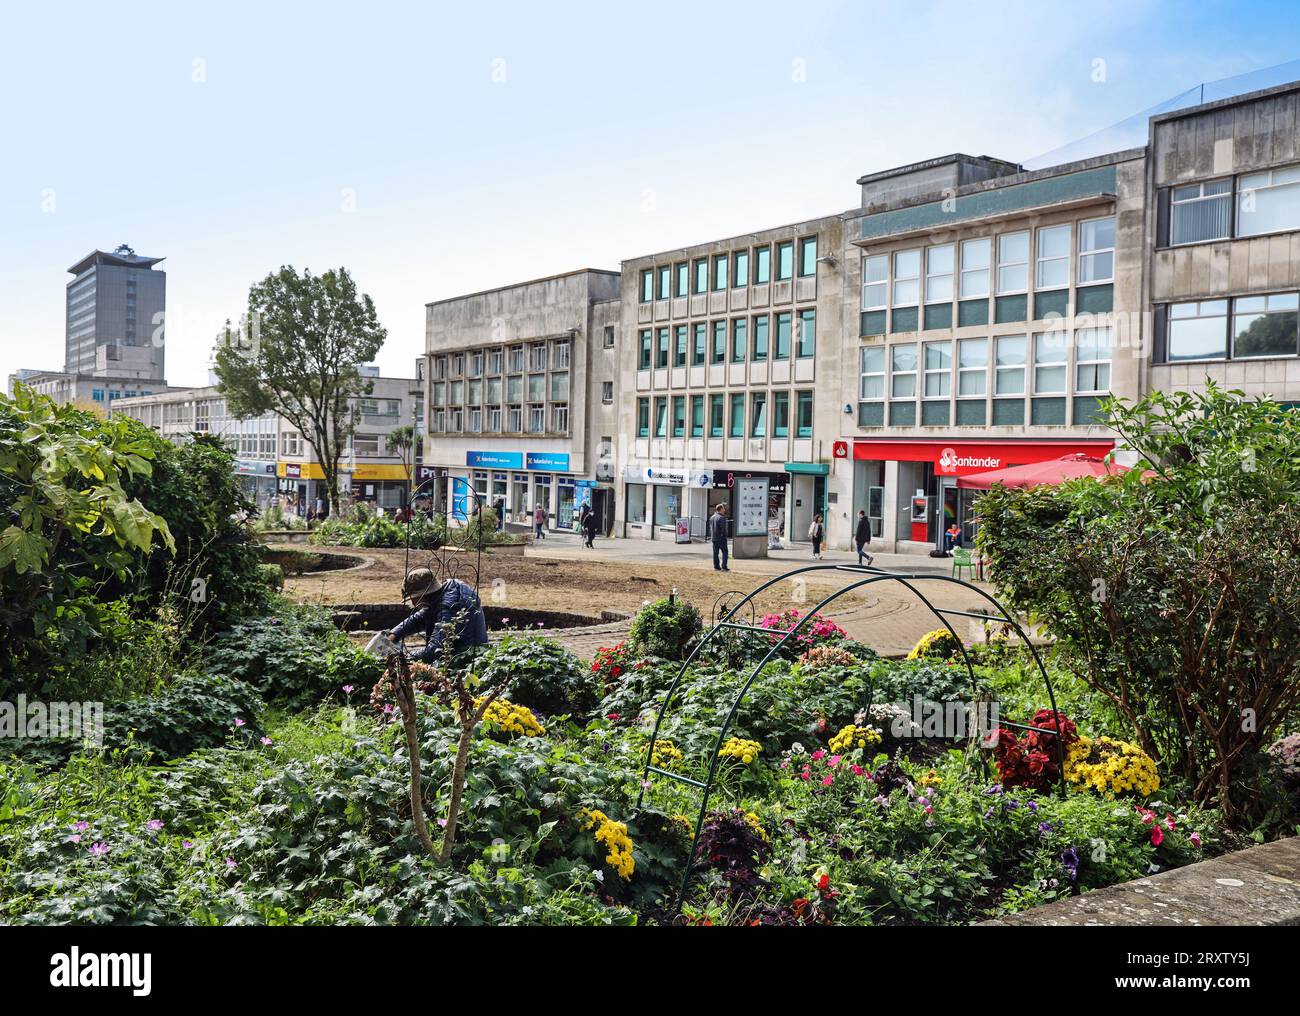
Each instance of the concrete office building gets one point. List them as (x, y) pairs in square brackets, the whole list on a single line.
[(993, 309), (116, 303), (94, 392), (521, 386), (725, 374)]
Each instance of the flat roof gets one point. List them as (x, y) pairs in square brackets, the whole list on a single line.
[(100, 257), (528, 282), (942, 160)]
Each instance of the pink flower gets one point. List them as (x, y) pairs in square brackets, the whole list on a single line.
[(230, 863), (1169, 822), (929, 808), (612, 717), (1157, 837), (75, 838), (239, 721), (818, 755), (187, 844), (805, 775), (828, 780), (265, 739), (154, 824), (99, 849), (857, 770), (347, 689), (442, 822), (388, 708), (833, 761), (81, 827), (1196, 839), (1148, 818), (785, 763)]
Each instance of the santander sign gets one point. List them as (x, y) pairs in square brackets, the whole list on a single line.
[(950, 462)]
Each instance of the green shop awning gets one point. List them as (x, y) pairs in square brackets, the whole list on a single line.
[(808, 468)]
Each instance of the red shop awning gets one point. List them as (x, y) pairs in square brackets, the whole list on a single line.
[(1035, 474)]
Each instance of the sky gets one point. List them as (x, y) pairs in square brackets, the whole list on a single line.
[(438, 149)]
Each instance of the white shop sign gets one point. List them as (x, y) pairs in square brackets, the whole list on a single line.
[(751, 506), (669, 477)]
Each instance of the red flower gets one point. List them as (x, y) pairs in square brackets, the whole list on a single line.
[(824, 883), (1157, 836), (612, 717)]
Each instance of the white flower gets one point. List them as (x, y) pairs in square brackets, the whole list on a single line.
[(600, 875), (797, 748)]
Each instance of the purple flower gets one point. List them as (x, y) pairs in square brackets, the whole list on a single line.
[(81, 827), (1011, 805), (1070, 859), (186, 844), (442, 822), (1043, 829), (1031, 805), (75, 838), (993, 790), (239, 721), (347, 688), (989, 813), (98, 849), (154, 824), (265, 739), (230, 863)]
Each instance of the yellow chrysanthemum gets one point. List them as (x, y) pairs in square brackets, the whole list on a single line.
[(740, 749), (851, 737)]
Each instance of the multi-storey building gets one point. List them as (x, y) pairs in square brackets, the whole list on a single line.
[(521, 387), (88, 391), (993, 309), (115, 316), (724, 375)]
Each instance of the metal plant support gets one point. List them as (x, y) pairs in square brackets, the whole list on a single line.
[(870, 575), (443, 561)]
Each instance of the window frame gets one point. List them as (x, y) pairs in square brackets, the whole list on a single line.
[(1085, 256), (1003, 264), (1042, 260)]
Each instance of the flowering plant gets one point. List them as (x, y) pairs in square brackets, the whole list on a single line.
[(818, 629), (740, 749), (823, 656), (853, 736), (610, 663), (1033, 760), (940, 644), (615, 838), (504, 717), (734, 844), (1110, 767), (665, 754)]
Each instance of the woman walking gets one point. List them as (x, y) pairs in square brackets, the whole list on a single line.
[(817, 533)]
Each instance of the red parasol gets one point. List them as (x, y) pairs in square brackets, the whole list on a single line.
[(1035, 474)]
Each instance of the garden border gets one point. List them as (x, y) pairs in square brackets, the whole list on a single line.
[(906, 579)]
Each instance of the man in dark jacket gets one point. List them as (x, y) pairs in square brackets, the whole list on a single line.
[(862, 537), (589, 527), (444, 610), (718, 537)]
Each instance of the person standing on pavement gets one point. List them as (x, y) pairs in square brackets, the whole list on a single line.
[(862, 537), (718, 537), (817, 533), (539, 522), (589, 527)]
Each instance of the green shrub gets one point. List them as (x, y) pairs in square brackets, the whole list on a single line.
[(665, 628), (198, 711), (291, 560), (272, 575), (295, 657), (545, 676)]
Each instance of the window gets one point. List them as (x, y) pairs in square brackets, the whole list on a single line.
[(458, 365), (679, 416), (976, 256), (516, 358), (439, 421), (1268, 202), (647, 343), (647, 286), (454, 418), (440, 393), (536, 418), (697, 416), (907, 273), (938, 369), (560, 417), (784, 260), (457, 390), (1013, 262), (1009, 365), (1265, 325), (1200, 211), (781, 414), (875, 282), (698, 346), (515, 419), (719, 341), (717, 412), (739, 340), (1092, 360), (661, 358), (682, 272), (972, 367), (475, 419), (938, 273), (737, 415), (1049, 363), (740, 273), (560, 387), (758, 414), (494, 420), (808, 256), (806, 335), (720, 272), (515, 388), (495, 357), (642, 417), (679, 346), (661, 417), (440, 367), (609, 342), (782, 351), (1053, 257), (903, 370), (493, 391), (762, 265), (537, 356), (760, 339), (665, 281), (536, 388), (560, 360), (1198, 331), (476, 364), (872, 384), (290, 442), (1097, 250), (702, 275), (804, 414)]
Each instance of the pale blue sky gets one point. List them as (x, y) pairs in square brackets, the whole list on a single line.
[(618, 130)]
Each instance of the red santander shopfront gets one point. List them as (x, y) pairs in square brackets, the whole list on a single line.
[(908, 486)]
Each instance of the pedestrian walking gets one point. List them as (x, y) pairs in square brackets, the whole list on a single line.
[(862, 537), (718, 537), (539, 523), (589, 527), (817, 533)]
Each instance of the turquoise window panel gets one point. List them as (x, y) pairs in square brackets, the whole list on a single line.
[(938, 316), (1047, 412), (972, 312), (1008, 412), (1011, 309)]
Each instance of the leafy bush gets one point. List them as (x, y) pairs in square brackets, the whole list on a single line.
[(198, 711), (545, 676), (665, 628), (940, 644), (295, 657), (272, 575)]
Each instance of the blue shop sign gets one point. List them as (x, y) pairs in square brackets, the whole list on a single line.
[(498, 460), (555, 461)]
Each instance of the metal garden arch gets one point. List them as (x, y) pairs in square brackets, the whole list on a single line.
[(909, 581)]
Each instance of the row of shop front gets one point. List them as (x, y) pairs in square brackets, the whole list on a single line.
[(299, 485)]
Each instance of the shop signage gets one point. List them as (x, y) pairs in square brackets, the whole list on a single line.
[(751, 506), (669, 477), (499, 460), (426, 473), (725, 479), (557, 462), (380, 471), (966, 457), (840, 449), (247, 467)]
